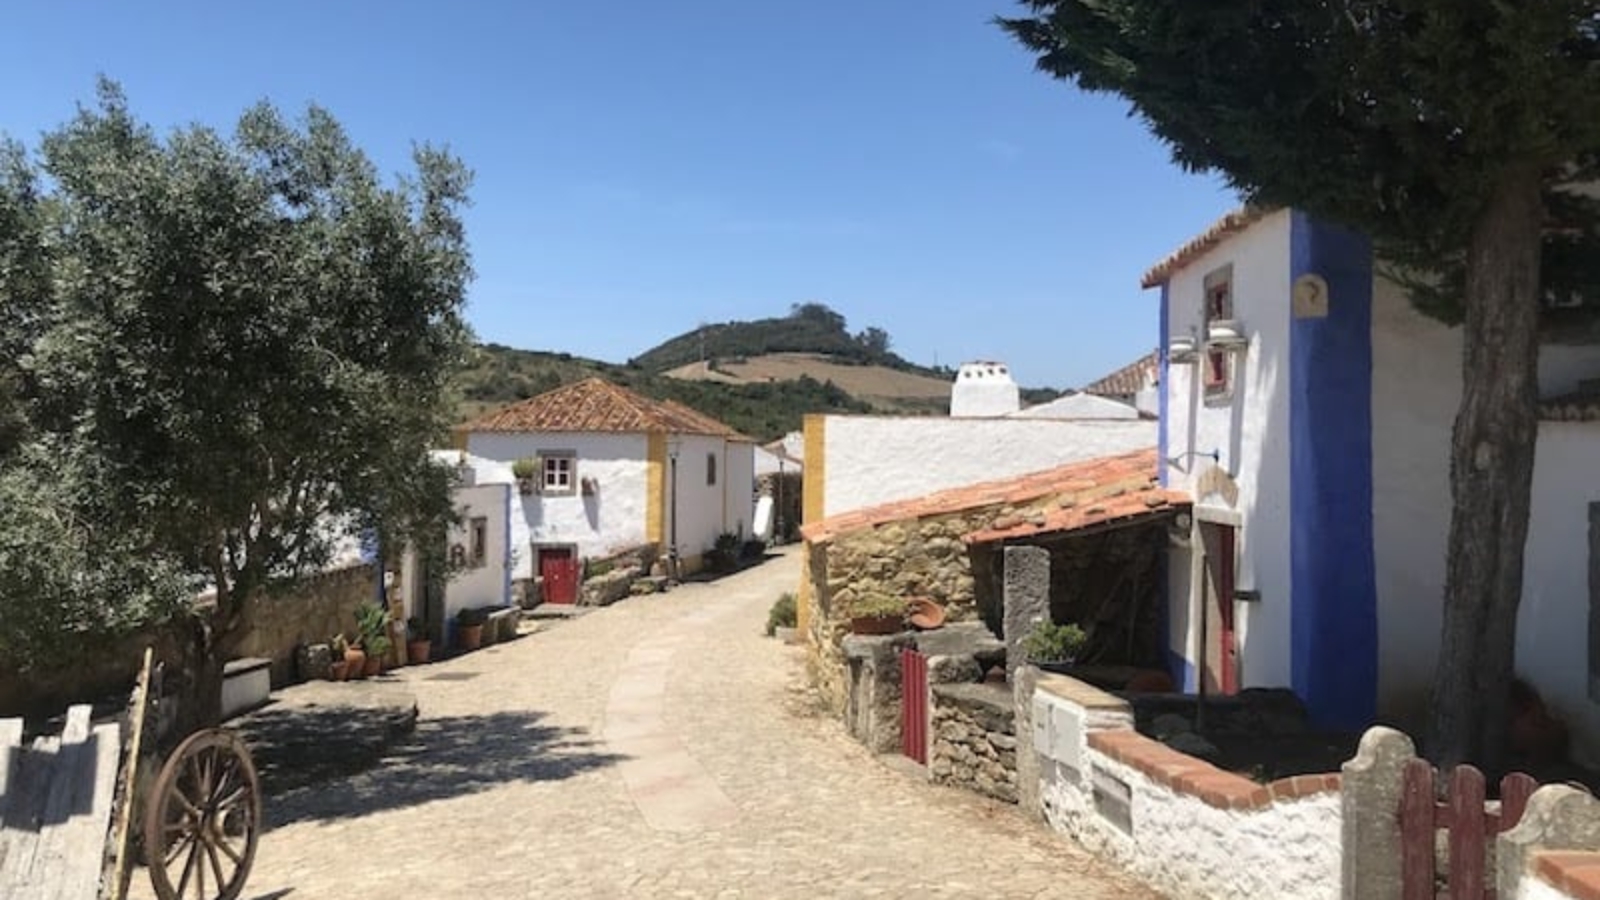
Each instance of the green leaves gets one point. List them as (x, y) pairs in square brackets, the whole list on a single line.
[(249, 334)]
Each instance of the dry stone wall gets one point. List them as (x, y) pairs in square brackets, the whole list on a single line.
[(974, 739)]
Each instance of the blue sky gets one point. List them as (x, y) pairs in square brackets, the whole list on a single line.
[(644, 166)]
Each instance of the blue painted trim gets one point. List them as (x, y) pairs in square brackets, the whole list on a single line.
[(1164, 366), (1333, 621)]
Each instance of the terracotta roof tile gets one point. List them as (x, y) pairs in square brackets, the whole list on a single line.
[(1131, 505), (595, 404), (1197, 246), (1128, 380), (1122, 484)]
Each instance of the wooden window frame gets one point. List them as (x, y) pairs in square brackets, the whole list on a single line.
[(558, 474)]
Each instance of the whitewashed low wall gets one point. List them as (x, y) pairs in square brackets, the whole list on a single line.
[(1184, 826), (1554, 851)]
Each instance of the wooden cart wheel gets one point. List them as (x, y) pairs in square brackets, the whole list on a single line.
[(203, 818)]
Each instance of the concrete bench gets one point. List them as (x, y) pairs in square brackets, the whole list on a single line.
[(246, 684), (502, 625)]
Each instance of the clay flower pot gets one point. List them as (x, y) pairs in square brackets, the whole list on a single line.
[(338, 670), (925, 614), (880, 624), (355, 663), (469, 637), (373, 667), (418, 651)]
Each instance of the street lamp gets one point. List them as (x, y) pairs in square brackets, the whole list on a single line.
[(673, 446)]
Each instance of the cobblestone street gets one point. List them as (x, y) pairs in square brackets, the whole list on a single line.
[(657, 748)]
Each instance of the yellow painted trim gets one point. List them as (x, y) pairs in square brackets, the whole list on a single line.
[(458, 438), (816, 477), (655, 505)]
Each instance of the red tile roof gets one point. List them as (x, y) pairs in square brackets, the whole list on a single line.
[(1197, 246), (1128, 380), (1107, 483), (597, 405)]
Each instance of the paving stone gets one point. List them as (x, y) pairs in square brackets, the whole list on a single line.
[(659, 747)]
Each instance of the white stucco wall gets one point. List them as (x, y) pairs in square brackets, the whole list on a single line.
[(611, 519), (1250, 433), (1552, 624), (881, 459), (738, 479), (1079, 406), (704, 509), (1416, 387), (1532, 887), (1181, 845), (483, 585)]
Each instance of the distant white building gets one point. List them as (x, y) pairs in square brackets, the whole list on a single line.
[(983, 389)]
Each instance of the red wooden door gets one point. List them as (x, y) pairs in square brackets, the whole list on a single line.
[(558, 566), (1221, 650)]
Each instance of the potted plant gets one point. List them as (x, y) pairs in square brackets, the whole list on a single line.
[(469, 628), (1054, 647), (781, 618), (355, 659), (878, 614), (338, 669), (418, 647), (373, 622), (524, 471)]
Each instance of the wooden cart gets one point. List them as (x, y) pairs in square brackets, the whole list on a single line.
[(68, 807)]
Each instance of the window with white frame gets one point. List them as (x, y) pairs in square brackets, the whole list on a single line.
[(560, 473), (1218, 363)]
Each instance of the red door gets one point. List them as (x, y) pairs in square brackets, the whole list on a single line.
[(1221, 647), (558, 566)]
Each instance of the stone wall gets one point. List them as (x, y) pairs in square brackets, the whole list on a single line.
[(1554, 852), (310, 612), (974, 739)]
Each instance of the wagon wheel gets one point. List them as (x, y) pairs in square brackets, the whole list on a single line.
[(203, 818)]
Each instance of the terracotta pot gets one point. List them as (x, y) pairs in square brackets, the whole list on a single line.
[(374, 666), (925, 614), (418, 651), (469, 637), (355, 662), (338, 670), (885, 624)]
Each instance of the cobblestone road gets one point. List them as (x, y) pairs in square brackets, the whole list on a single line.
[(658, 748)]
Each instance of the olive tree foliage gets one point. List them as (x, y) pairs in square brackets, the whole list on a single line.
[(242, 341), (1457, 134)]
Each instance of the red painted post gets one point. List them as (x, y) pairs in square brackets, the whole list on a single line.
[(1416, 831), (1467, 838), (1515, 789), (914, 705)]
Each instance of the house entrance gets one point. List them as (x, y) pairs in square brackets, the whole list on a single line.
[(558, 566), (1220, 670)]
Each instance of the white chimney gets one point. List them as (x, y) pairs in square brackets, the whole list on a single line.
[(984, 389)]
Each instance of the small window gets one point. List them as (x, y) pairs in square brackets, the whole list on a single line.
[(1218, 364), (560, 474), (711, 469), (479, 542)]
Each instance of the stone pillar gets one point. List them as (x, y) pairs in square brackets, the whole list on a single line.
[(1029, 772), (1026, 581), (1370, 790), (1557, 818)]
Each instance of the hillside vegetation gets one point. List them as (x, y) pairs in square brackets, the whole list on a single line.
[(760, 377)]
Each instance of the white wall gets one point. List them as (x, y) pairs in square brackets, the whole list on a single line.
[(1250, 431), (611, 519), (483, 585), (704, 509), (1552, 625), (1079, 406), (984, 389), (1416, 387), (738, 478), (871, 460), (1532, 887)]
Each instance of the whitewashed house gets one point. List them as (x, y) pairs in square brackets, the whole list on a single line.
[(608, 470), (1307, 407)]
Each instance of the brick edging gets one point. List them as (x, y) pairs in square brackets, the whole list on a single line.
[(1202, 780), (1573, 872)]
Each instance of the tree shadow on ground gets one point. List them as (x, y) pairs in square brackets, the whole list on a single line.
[(336, 769)]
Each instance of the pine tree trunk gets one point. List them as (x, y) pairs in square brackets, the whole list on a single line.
[(1491, 477)]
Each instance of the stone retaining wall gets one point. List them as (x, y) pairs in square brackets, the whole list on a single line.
[(974, 739)]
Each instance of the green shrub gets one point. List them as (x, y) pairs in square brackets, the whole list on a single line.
[(875, 605), (1051, 643), (784, 614)]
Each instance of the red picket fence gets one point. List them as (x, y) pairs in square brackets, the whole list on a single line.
[(1471, 825), (914, 705)]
